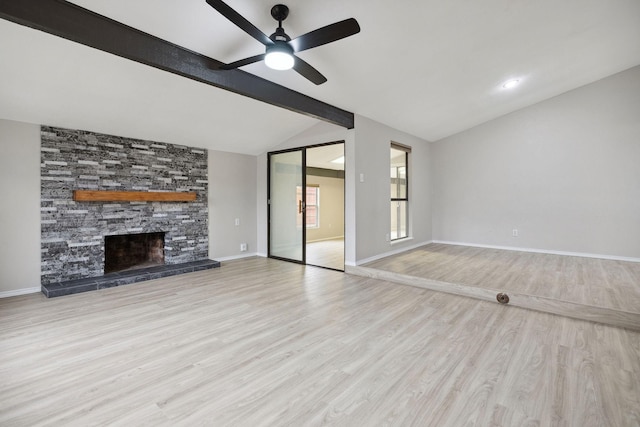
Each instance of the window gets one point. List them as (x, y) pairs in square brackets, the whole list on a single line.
[(312, 205), (399, 191)]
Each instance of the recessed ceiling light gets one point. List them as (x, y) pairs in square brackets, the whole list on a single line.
[(510, 84), (338, 160)]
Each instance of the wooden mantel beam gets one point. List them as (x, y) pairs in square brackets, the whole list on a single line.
[(132, 196), (72, 22)]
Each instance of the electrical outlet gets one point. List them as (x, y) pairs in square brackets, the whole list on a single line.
[(237, 221), (514, 232), (387, 237), (243, 247)]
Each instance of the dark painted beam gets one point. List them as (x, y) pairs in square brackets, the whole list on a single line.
[(80, 25)]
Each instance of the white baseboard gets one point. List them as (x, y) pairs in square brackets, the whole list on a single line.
[(232, 257), (325, 239), (386, 254), (17, 292), (539, 251)]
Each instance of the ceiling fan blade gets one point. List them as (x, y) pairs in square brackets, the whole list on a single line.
[(240, 21), (325, 35), (308, 72), (243, 62)]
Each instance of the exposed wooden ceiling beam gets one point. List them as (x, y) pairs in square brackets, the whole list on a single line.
[(80, 25)]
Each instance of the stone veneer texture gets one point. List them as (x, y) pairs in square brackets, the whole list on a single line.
[(72, 233)]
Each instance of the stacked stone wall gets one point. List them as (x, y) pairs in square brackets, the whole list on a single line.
[(72, 233)]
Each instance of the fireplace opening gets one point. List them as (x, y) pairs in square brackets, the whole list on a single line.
[(132, 251)]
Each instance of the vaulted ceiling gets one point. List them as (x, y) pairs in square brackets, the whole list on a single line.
[(429, 68)]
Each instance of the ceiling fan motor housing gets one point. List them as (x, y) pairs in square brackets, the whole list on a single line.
[(280, 36)]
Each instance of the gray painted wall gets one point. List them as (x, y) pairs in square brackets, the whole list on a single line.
[(564, 172), (232, 194), (373, 217), (20, 208)]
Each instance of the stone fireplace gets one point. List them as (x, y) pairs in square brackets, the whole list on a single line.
[(75, 234)]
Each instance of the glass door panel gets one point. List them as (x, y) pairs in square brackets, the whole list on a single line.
[(286, 206), (325, 206)]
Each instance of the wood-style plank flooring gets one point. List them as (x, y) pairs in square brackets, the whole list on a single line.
[(326, 253), (261, 342), (590, 281)]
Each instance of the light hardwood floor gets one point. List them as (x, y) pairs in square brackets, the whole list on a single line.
[(326, 253), (595, 282), (261, 342)]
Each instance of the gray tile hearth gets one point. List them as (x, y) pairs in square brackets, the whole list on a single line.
[(51, 290)]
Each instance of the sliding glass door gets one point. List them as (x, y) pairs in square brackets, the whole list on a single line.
[(306, 205), (286, 206)]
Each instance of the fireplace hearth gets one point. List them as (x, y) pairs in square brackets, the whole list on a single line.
[(128, 277)]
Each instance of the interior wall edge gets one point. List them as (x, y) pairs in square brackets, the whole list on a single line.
[(389, 253)]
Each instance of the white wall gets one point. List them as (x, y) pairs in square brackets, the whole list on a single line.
[(19, 208), (232, 194), (373, 217), (564, 172)]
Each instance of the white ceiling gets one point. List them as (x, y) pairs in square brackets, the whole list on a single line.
[(429, 68), (324, 156)]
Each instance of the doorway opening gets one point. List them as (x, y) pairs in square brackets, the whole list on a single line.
[(306, 205), (325, 219)]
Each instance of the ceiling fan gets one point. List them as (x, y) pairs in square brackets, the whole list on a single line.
[(280, 48)]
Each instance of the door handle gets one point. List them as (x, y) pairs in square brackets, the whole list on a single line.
[(299, 206)]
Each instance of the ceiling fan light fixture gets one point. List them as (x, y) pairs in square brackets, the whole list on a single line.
[(279, 56)]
